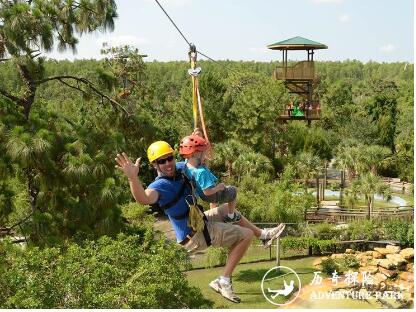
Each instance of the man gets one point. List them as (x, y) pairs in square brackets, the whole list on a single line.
[(171, 192)]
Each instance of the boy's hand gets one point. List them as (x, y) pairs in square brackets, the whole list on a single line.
[(124, 164)]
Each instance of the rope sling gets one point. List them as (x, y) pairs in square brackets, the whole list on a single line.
[(196, 215)]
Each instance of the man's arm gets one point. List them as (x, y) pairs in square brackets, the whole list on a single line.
[(142, 196)]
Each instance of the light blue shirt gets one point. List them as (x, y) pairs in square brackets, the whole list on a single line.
[(203, 177)]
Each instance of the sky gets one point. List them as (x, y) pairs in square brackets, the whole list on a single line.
[(365, 30)]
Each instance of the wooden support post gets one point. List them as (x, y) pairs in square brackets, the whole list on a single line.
[(278, 251)]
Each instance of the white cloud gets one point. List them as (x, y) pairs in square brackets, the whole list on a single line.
[(327, 1), (388, 48), (123, 40), (344, 18)]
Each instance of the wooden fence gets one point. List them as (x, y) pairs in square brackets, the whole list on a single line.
[(344, 214)]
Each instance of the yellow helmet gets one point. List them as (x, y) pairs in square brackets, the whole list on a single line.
[(158, 149)]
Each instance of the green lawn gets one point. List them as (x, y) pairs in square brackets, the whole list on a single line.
[(247, 280)]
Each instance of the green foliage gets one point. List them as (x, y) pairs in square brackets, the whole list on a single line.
[(279, 201), (364, 229), (329, 266), (126, 272), (350, 262), (300, 244), (216, 257), (399, 230), (325, 231)]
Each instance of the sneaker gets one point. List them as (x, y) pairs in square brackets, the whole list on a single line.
[(272, 234), (236, 218), (226, 290)]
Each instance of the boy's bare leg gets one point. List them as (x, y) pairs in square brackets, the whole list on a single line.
[(231, 206)]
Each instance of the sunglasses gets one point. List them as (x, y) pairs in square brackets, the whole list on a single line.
[(164, 160)]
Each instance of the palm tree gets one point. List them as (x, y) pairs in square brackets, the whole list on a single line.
[(368, 185), (225, 154), (252, 164), (308, 166)]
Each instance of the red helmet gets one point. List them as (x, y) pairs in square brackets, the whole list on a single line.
[(191, 144)]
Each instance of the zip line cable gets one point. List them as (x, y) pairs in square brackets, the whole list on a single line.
[(183, 36)]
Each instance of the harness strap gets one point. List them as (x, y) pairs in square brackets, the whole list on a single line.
[(205, 231)]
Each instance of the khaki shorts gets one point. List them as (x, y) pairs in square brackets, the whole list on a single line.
[(222, 234)]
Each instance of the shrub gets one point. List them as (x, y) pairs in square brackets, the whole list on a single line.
[(329, 266), (364, 229), (400, 230), (216, 257), (350, 262), (325, 231), (126, 272)]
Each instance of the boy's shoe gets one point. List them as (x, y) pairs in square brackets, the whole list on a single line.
[(272, 234), (226, 290), (237, 217)]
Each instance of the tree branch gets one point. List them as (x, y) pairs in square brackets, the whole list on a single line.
[(89, 84), (11, 97), (71, 86)]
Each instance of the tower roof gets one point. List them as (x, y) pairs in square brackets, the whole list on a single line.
[(297, 43)]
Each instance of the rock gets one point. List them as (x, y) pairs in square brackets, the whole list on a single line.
[(349, 251), (317, 262), (382, 251), (364, 261), (406, 276), (393, 249), (397, 259), (383, 286), (380, 277), (375, 262), (337, 256), (372, 269), (376, 255), (378, 280), (407, 253), (388, 273), (409, 267), (387, 264)]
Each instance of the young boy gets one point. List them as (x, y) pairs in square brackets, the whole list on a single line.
[(194, 148)]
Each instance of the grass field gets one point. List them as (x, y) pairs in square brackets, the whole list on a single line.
[(247, 284), (247, 280)]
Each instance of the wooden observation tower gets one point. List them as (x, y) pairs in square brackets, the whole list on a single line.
[(300, 79)]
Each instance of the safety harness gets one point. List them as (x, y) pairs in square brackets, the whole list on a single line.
[(197, 219)]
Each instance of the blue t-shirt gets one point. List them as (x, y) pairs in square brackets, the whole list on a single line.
[(203, 177), (167, 189)]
